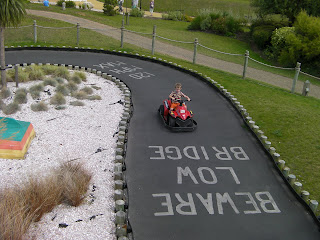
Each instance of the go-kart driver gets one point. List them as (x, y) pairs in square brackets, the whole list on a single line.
[(176, 96)]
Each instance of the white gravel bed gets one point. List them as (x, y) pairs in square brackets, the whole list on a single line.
[(63, 135)]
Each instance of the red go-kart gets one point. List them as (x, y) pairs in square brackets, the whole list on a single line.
[(179, 119)]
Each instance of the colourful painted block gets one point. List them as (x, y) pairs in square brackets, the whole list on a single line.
[(15, 138)]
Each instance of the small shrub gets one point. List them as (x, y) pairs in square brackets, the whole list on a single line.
[(262, 36), (75, 181), (96, 87), (79, 95), (35, 72), (38, 88), (50, 81), (87, 90), (72, 86), (62, 72), (11, 108), (86, 6), (76, 79), (38, 107), (58, 99), (69, 4), (77, 103), (5, 93), (94, 97), (174, 16), (49, 69), (82, 75), (20, 97), (136, 12), (63, 90)]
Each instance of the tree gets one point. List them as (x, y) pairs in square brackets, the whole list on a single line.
[(108, 7), (288, 8), (11, 14)]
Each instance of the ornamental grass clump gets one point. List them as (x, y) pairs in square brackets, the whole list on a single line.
[(39, 107), (35, 72), (79, 95), (82, 75), (15, 218), (76, 79), (5, 93), (62, 72), (77, 103), (20, 97), (11, 108), (37, 88), (87, 90), (59, 80), (58, 99), (51, 82), (75, 181), (72, 86), (23, 76), (49, 69), (63, 89), (94, 97)]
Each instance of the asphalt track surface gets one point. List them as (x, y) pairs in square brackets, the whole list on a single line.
[(214, 183)]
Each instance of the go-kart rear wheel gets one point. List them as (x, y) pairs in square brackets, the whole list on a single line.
[(171, 121)]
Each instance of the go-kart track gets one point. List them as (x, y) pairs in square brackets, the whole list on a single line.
[(216, 182)]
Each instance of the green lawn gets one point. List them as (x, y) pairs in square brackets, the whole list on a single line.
[(291, 122), (178, 31)]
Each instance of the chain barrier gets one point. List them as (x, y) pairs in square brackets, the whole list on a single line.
[(56, 27), (271, 65), (174, 40), (232, 54), (309, 75), (137, 32), (21, 26)]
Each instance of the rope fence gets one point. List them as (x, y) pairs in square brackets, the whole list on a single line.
[(196, 43)]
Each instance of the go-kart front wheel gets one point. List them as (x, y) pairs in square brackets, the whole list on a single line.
[(171, 121), (161, 110)]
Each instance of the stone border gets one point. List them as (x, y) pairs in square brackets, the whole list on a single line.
[(123, 228)]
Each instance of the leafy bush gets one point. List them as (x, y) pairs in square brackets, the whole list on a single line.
[(86, 6), (77, 103), (217, 22), (58, 99), (5, 93), (50, 81), (87, 90), (302, 44), (174, 16), (11, 108), (63, 90), (69, 4), (41, 106), (278, 40), (262, 36), (62, 72), (108, 7), (136, 12), (20, 97)]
